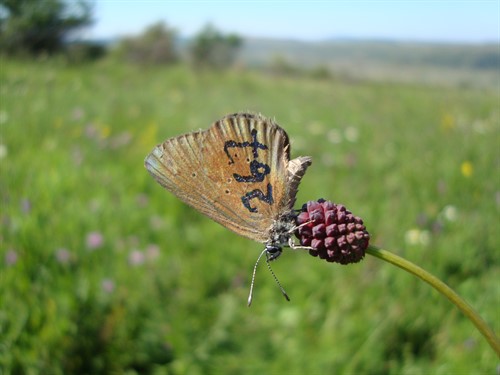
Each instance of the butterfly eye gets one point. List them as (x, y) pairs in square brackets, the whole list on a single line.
[(273, 252)]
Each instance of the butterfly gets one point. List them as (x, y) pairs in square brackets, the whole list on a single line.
[(238, 173)]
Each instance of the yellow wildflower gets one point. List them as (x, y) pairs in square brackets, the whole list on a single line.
[(105, 131), (467, 169), (447, 122)]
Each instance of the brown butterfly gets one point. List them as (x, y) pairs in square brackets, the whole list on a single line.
[(239, 174)]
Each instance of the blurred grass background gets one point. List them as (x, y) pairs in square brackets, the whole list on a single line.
[(103, 271)]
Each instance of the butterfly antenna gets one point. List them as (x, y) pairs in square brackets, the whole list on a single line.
[(250, 295), (277, 281)]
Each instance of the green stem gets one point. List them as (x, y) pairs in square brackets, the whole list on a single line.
[(443, 289)]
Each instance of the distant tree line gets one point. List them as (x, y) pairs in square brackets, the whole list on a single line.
[(211, 48), (48, 27), (159, 44), (35, 27)]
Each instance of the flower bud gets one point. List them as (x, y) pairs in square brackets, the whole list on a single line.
[(332, 232)]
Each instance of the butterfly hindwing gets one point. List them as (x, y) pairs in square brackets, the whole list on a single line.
[(296, 169)]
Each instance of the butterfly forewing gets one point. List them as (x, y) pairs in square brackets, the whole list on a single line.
[(236, 172)]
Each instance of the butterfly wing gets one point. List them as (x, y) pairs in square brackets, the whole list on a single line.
[(236, 172)]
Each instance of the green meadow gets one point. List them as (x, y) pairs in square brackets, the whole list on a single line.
[(104, 272)]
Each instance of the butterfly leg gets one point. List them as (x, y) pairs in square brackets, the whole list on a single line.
[(291, 245), (301, 225), (291, 242)]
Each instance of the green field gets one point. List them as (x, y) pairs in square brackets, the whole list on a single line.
[(104, 272)]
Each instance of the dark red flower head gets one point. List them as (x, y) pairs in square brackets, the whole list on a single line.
[(332, 231)]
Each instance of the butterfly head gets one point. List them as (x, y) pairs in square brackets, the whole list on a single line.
[(273, 252)]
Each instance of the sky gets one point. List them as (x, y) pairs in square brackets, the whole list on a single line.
[(472, 21)]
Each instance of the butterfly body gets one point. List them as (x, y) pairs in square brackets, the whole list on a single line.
[(238, 173)]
